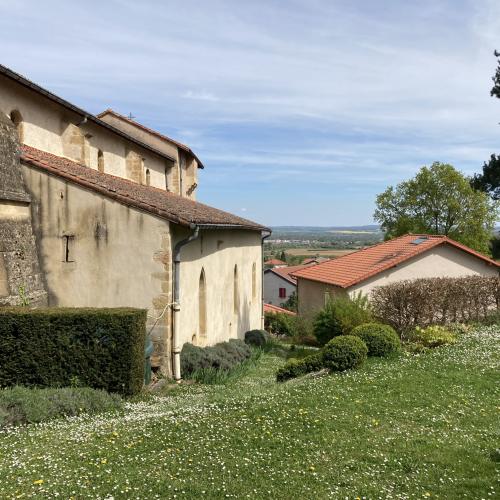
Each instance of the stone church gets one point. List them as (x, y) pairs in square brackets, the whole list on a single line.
[(100, 211)]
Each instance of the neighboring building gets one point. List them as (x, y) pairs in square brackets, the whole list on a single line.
[(275, 263), (403, 258), (100, 213), (279, 283), (269, 308), (314, 260)]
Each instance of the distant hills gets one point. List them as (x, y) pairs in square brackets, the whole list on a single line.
[(372, 228)]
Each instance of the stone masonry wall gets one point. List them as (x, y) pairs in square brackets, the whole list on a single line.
[(21, 279)]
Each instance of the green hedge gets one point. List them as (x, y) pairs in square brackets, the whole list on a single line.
[(344, 353), (257, 338), (57, 347)]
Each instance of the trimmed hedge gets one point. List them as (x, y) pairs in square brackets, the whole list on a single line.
[(381, 340), (344, 352), (428, 301), (257, 338), (54, 347), (223, 356)]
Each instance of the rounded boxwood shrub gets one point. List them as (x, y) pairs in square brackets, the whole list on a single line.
[(257, 338), (298, 367), (381, 340), (344, 352)]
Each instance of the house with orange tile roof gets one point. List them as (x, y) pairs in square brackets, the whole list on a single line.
[(274, 263), (272, 309), (100, 211), (408, 257)]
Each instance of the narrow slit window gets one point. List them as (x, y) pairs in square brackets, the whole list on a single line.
[(148, 177), (100, 161), (68, 241)]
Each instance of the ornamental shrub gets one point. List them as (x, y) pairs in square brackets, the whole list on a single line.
[(257, 338), (280, 323), (298, 367), (433, 336), (223, 356), (429, 301), (381, 340), (51, 347), (344, 352), (340, 315), (23, 405)]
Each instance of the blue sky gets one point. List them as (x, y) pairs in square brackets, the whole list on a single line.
[(302, 110)]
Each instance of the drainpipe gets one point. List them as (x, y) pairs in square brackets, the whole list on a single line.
[(262, 279), (176, 306)]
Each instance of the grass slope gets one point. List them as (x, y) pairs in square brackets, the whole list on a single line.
[(415, 427)]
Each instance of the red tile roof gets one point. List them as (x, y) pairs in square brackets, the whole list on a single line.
[(270, 308), (358, 266), (109, 111), (275, 262), (287, 271), (156, 201)]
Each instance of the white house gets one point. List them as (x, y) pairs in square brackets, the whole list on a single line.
[(404, 258), (279, 283)]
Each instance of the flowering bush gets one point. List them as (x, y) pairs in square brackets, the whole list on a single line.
[(381, 340), (433, 336)]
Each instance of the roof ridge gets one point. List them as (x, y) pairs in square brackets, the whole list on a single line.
[(168, 205), (183, 146)]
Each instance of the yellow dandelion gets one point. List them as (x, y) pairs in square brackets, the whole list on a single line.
[(38, 481)]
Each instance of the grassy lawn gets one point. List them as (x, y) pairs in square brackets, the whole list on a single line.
[(416, 427)]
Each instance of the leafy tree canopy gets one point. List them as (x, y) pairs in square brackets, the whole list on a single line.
[(438, 200), (489, 180)]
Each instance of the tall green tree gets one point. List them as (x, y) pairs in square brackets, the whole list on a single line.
[(438, 200), (489, 180)]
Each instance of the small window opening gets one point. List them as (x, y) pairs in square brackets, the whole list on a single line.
[(17, 119), (282, 293), (68, 241), (202, 305), (236, 295), (148, 177), (100, 161), (166, 178), (254, 281)]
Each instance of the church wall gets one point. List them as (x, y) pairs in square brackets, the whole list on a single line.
[(118, 256), (57, 130), (217, 252)]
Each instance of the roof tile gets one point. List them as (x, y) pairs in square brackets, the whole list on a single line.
[(355, 267), (156, 201)]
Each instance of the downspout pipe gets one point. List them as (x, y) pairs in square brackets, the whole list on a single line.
[(263, 237), (176, 306)]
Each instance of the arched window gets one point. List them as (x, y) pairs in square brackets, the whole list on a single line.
[(254, 281), (202, 305), (17, 120), (100, 161), (148, 177), (236, 294)]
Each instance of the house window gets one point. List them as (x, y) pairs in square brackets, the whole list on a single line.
[(100, 161), (202, 305), (236, 295), (17, 119), (254, 281), (148, 177), (282, 293), (68, 242)]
